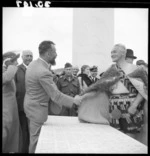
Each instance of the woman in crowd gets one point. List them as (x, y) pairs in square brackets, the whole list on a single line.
[(84, 79), (126, 86), (10, 109)]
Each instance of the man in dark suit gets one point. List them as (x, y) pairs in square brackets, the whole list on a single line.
[(27, 57), (40, 87), (93, 75)]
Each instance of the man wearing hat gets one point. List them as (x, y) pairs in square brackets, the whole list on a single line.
[(93, 75), (27, 57), (130, 56), (69, 85), (10, 109)]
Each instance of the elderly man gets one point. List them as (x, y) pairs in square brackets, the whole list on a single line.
[(127, 86), (27, 57), (40, 87), (75, 71)]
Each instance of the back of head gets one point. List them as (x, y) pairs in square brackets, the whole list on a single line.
[(44, 46), (141, 62)]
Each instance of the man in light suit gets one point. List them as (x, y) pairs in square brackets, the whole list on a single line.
[(27, 57), (39, 89)]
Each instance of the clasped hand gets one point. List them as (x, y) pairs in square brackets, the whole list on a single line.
[(77, 100)]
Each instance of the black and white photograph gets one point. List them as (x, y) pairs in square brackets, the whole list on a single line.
[(75, 79)]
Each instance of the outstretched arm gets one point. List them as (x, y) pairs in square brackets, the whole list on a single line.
[(46, 80)]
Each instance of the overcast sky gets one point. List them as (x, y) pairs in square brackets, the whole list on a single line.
[(25, 29)]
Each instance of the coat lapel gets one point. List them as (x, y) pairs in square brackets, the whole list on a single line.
[(23, 67)]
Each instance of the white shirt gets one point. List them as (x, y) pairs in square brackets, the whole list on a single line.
[(25, 65)]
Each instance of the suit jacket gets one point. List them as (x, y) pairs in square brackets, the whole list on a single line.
[(20, 86), (40, 87)]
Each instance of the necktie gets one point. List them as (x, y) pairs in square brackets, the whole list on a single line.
[(93, 79)]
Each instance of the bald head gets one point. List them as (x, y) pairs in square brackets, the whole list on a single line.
[(76, 67), (27, 52), (27, 57)]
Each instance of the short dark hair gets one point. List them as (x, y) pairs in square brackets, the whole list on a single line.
[(67, 65), (44, 46)]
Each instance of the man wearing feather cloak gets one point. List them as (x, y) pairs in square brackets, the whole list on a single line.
[(120, 97)]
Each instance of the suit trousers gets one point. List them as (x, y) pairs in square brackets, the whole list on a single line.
[(24, 133), (34, 132)]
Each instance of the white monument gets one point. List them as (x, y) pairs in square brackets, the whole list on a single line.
[(93, 37)]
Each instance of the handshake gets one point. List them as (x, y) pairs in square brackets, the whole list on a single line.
[(77, 100)]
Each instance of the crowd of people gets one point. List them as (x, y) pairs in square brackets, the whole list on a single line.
[(32, 91)]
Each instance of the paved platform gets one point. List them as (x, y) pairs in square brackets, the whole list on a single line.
[(61, 134)]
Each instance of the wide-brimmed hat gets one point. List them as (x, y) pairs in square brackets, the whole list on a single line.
[(10, 55), (130, 54)]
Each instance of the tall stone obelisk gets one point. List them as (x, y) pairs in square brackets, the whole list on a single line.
[(93, 36)]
